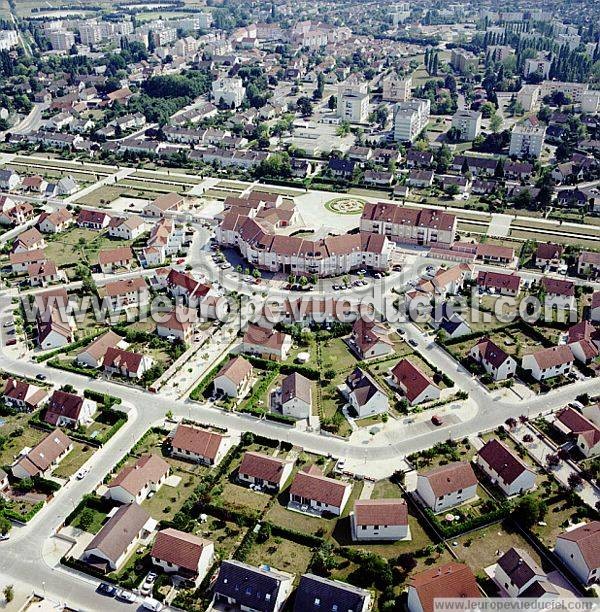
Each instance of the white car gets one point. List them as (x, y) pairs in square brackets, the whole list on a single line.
[(152, 604), (83, 472), (126, 596), (148, 584)]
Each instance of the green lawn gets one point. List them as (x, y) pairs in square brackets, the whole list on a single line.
[(18, 436), (239, 497), (98, 519), (167, 501), (74, 460), (336, 355), (226, 536), (281, 554)]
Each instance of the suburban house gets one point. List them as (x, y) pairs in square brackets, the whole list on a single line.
[(295, 396), (455, 580), (126, 228), (267, 472), (516, 572), (167, 203), (240, 586), (69, 410), (447, 486), (549, 255), (317, 594), (584, 340), (93, 219), (549, 362), (266, 343), (44, 457), (416, 386), (314, 493), (179, 324), (579, 549), (123, 293), (184, 285), (4, 484), (499, 282), (585, 433), (181, 553), (494, 254), (14, 213), (42, 273), (55, 222), (199, 445), (93, 354), (125, 363), (370, 339), (29, 240), (365, 396), (495, 361), (380, 519), (134, 482), (234, 379), (505, 469), (558, 293), (23, 396), (20, 262), (118, 538), (588, 263), (110, 260)]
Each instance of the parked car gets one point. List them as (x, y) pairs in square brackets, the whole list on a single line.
[(41, 376), (107, 589), (126, 596), (148, 583), (437, 420), (152, 604), (83, 472), (413, 342)]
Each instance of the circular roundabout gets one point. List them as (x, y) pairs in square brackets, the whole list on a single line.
[(346, 206)]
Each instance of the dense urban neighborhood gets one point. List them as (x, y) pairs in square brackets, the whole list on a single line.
[(299, 304)]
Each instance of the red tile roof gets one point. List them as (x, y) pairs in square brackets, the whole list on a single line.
[(147, 469), (504, 462), (316, 487), (411, 379), (449, 580), (587, 538), (450, 478), (198, 441), (380, 512), (262, 466), (179, 548)]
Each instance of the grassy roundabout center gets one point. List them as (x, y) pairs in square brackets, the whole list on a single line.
[(345, 206)]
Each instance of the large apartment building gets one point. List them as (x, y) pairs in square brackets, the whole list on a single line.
[(426, 227), (410, 119), (527, 140)]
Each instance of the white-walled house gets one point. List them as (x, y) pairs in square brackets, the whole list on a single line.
[(549, 362), (579, 550), (380, 519), (265, 471), (559, 293), (505, 468), (584, 432), (496, 362), (199, 445), (314, 493), (181, 553), (120, 535), (295, 396), (364, 395), (416, 386), (43, 458), (447, 486), (516, 571), (234, 379), (69, 410), (133, 483)]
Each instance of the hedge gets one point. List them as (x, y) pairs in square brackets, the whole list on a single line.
[(69, 347), (304, 539), (243, 519), (83, 567), (10, 514), (207, 380), (284, 368), (69, 367), (473, 523), (102, 398)]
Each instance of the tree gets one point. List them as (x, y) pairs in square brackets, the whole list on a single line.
[(495, 123), (5, 525), (332, 103), (9, 593), (529, 510), (511, 422), (574, 480), (452, 189), (304, 106), (86, 519)]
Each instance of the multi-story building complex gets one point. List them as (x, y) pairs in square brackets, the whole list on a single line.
[(410, 119), (229, 91), (61, 40), (540, 64), (427, 227), (396, 89), (353, 102), (463, 61), (468, 123), (527, 140)]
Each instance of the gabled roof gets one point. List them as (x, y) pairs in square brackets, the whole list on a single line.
[(100, 345), (553, 356), (449, 580), (252, 588), (503, 461), (317, 594), (63, 404), (558, 286), (119, 531), (367, 334), (236, 370), (258, 465), (179, 548), (147, 469), (296, 386), (519, 566), (43, 455), (411, 379), (578, 425), (450, 478), (118, 358), (587, 539), (387, 512), (265, 337), (198, 441), (491, 352), (317, 487), (362, 386)]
